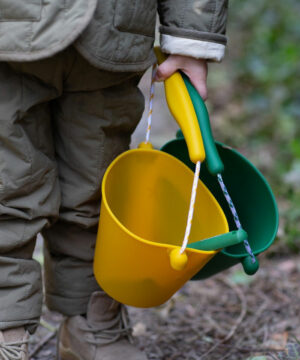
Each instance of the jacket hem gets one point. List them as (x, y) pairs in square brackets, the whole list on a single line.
[(115, 66), (194, 34)]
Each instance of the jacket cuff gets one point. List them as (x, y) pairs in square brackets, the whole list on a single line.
[(199, 49), (194, 34)]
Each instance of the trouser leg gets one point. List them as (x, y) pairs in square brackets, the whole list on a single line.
[(94, 120), (29, 193)]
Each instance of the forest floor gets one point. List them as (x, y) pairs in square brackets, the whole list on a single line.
[(230, 316)]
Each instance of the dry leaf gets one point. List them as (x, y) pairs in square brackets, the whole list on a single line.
[(278, 341)]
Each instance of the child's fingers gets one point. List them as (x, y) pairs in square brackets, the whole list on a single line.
[(201, 88), (198, 78), (195, 69), (167, 68)]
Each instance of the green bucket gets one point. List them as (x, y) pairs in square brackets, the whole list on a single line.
[(249, 190)]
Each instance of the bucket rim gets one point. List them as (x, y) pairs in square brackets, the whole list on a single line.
[(268, 187), (137, 237)]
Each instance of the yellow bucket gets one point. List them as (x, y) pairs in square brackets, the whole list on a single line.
[(145, 202), (146, 196)]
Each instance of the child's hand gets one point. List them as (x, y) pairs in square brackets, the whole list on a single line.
[(195, 69)]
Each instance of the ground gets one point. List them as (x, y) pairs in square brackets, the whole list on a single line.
[(230, 316)]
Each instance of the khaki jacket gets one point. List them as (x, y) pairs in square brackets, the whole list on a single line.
[(115, 35)]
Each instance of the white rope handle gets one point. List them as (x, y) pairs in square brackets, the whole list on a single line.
[(197, 169), (192, 207), (152, 92)]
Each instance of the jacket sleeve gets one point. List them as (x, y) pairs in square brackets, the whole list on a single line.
[(193, 27)]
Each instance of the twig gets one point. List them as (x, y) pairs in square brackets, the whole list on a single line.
[(243, 300), (42, 343), (266, 333), (47, 326), (226, 356), (213, 323), (243, 312), (248, 349), (273, 356)]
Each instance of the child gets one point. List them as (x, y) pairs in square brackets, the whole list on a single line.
[(69, 103)]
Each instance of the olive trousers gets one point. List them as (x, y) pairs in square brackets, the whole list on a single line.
[(62, 121)]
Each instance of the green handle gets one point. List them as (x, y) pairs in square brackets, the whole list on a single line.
[(213, 160), (221, 241)]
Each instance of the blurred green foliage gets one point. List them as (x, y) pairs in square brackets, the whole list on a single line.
[(255, 98)]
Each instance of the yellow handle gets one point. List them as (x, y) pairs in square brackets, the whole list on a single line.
[(182, 109)]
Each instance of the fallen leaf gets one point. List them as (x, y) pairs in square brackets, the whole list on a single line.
[(139, 329), (278, 341)]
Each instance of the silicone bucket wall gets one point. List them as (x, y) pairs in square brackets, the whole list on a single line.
[(251, 195), (145, 202)]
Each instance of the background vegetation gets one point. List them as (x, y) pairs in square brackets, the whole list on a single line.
[(254, 99)]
